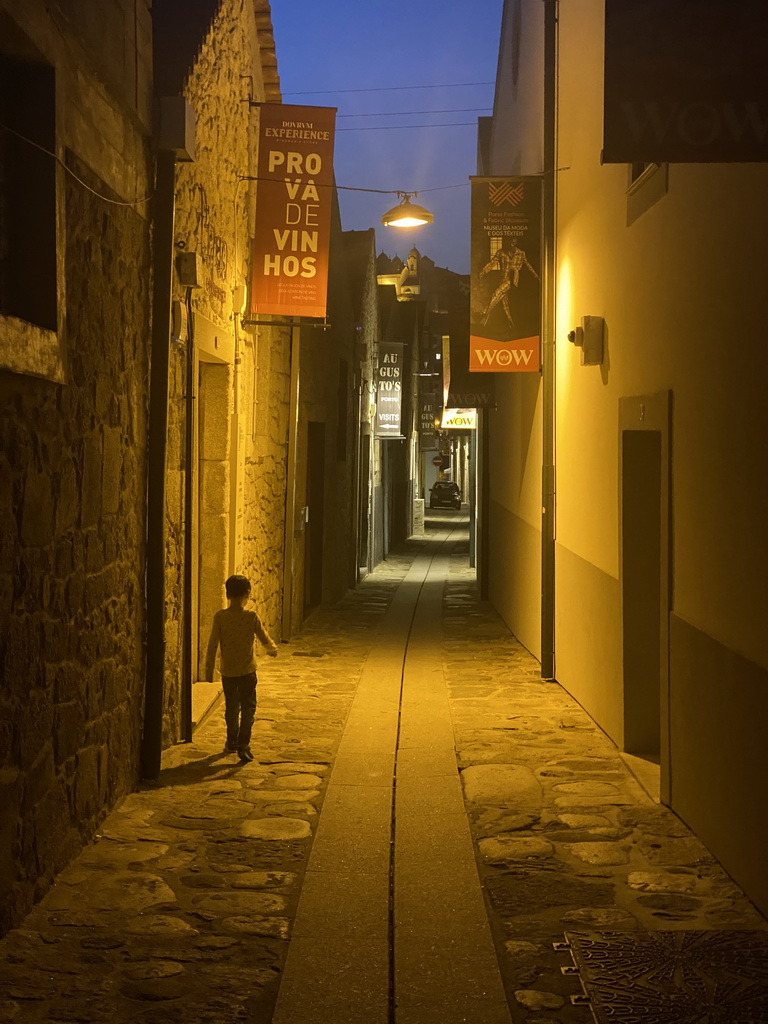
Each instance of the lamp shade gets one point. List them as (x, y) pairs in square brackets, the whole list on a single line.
[(407, 215)]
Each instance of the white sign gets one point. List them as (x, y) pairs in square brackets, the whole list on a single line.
[(389, 391), (459, 419)]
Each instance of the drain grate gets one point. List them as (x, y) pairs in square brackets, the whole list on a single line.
[(674, 977)]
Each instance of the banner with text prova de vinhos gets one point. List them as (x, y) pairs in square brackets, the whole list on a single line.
[(294, 197), (505, 281)]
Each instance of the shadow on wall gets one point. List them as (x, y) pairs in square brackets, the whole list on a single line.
[(528, 398), (605, 366)]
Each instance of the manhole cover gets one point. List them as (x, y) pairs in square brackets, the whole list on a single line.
[(675, 977)]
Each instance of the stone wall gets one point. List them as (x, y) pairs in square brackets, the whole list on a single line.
[(238, 467), (361, 266), (268, 355), (334, 369), (72, 491), (328, 366)]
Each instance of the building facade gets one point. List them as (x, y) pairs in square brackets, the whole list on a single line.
[(323, 521), (75, 177), (156, 439), (660, 561), (261, 460), (228, 390), (426, 308)]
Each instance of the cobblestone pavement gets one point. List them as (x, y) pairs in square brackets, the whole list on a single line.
[(181, 908), (567, 840)]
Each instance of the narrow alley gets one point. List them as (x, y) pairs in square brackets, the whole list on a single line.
[(429, 833)]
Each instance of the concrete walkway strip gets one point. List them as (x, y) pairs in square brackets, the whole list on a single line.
[(446, 971), (367, 947)]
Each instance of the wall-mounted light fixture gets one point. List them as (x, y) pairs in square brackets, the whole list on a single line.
[(589, 338)]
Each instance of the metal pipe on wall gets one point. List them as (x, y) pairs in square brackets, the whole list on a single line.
[(548, 343), (290, 487), (163, 219), (187, 679)]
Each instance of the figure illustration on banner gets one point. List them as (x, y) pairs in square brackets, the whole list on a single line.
[(509, 262)]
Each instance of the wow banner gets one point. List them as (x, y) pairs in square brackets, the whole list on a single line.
[(505, 283)]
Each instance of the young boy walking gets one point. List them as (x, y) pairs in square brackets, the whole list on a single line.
[(233, 631)]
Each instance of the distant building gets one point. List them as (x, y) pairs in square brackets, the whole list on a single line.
[(431, 316)]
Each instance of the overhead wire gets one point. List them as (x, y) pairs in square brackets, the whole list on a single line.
[(392, 127), (411, 113), (60, 162), (354, 188), (346, 188), (386, 88)]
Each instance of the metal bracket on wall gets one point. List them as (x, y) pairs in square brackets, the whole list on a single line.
[(248, 321)]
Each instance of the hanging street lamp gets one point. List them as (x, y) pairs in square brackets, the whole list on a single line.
[(407, 214)]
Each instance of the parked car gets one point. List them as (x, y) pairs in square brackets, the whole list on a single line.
[(444, 494)]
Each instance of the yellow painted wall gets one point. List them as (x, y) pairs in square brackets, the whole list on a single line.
[(515, 426), (680, 275), (679, 290), (682, 289), (514, 572)]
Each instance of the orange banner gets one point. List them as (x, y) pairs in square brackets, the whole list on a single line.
[(294, 197), (489, 356), (505, 281)]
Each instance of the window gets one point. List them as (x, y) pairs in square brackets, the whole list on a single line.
[(31, 211), (27, 193)]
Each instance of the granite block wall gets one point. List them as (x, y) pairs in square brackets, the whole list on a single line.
[(72, 504)]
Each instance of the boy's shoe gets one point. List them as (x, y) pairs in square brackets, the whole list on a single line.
[(245, 754), (230, 749)]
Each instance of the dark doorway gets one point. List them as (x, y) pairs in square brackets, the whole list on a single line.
[(643, 604), (364, 511), (313, 557)]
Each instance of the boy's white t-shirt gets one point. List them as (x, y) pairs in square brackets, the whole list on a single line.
[(233, 631)]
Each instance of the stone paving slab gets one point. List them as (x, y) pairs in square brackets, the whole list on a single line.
[(363, 769), (333, 974), (427, 797), (364, 896), (354, 830), (415, 762)]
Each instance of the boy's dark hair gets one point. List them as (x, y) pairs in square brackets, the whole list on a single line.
[(238, 586)]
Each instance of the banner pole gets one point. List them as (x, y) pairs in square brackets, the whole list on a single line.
[(290, 486), (549, 227)]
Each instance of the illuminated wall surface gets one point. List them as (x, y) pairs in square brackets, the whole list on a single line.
[(75, 428), (676, 265)]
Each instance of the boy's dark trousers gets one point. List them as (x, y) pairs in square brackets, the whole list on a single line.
[(239, 708)]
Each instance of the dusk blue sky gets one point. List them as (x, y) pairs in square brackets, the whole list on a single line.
[(325, 48)]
